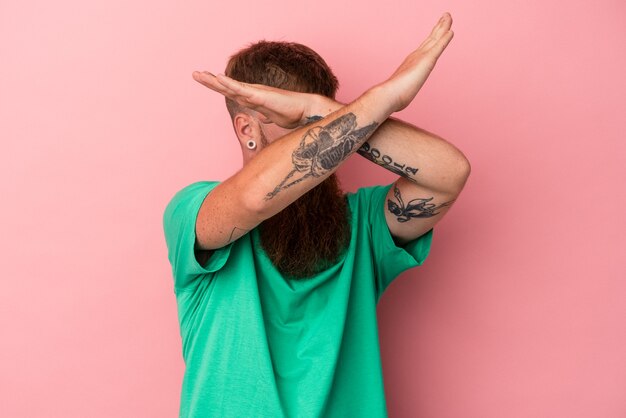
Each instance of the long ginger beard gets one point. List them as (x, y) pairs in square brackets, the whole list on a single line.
[(309, 235)]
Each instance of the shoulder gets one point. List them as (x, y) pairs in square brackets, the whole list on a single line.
[(195, 186), (190, 190), (366, 198), (186, 203)]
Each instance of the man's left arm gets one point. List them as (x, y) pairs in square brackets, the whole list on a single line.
[(432, 173)]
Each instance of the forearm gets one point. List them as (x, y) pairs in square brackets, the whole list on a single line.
[(411, 152), (294, 164), (417, 155)]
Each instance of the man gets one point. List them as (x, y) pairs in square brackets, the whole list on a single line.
[(277, 272)]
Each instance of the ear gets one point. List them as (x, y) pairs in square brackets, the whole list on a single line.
[(246, 128)]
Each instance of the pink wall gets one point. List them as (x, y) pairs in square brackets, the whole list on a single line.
[(520, 309)]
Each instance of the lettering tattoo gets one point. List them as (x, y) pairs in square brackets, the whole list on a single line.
[(374, 155), (323, 148), (416, 208)]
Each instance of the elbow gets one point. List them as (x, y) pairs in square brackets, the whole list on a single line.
[(462, 172), (465, 169)]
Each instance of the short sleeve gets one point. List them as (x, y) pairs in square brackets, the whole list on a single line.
[(179, 226), (390, 259)]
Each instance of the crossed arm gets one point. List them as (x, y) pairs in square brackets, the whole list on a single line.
[(432, 171)]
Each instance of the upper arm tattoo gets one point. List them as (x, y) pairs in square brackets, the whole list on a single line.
[(416, 208), (232, 233), (385, 161), (323, 148)]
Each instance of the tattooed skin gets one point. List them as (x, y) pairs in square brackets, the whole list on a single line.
[(323, 148), (311, 119), (233, 233), (416, 208), (387, 162)]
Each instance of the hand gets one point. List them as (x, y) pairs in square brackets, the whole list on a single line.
[(285, 108), (408, 79)]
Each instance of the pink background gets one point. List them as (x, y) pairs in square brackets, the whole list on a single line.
[(520, 309)]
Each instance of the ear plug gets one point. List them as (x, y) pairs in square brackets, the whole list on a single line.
[(251, 144)]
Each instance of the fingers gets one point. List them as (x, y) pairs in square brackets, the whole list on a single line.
[(232, 89), (235, 86), (204, 77), (445, 23), (443, 42), (209, 80), (440, 29)]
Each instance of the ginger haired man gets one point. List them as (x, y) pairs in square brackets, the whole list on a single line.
[(277, 271)]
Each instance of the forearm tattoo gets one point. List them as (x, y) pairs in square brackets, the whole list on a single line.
[(311, 119), (323, 148), (374, 155), (416, 208)]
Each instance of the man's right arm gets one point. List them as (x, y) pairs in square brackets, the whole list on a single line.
[(286, 169), (292, 165)]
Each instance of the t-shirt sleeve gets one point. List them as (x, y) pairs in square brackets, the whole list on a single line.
[(179, 226), (390, 259)]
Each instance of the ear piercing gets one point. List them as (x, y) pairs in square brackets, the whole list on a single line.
[(251, 144)]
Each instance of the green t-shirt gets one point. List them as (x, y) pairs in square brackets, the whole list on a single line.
[(258, 345)]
